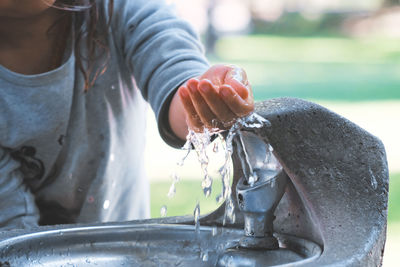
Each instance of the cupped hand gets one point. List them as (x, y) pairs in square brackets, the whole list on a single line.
[(217, 99)]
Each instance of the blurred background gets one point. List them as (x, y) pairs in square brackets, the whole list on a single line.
[(341, 54)]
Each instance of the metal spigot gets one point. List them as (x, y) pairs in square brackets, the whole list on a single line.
[(258, 203), (258, 191)]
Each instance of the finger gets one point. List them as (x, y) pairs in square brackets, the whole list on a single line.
[(238, 105), (214, 101), (237, 78), (206, 115), (193, 119), (192, 82), (216, 74)]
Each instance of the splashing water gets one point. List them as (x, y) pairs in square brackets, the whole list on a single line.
[(252, 121), (204, 256), (163, 211), (214, 231), (219, 198), (106, 204), (248, 172), (196, 214), (186, 147), (206, 184), (200, 141), (215, 148), (172, 189)]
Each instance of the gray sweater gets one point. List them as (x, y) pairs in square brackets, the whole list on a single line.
[(67, 156)]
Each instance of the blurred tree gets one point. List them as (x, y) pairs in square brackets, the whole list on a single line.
[(211, 34), (389, 3)]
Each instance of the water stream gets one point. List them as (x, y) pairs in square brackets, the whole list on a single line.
[(199, 143)]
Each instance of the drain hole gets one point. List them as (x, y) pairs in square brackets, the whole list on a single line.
[(240, 197)]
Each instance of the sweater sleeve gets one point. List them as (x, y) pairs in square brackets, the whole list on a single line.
[(160, 49), (17, 204)]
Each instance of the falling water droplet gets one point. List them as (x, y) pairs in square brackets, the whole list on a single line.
[(233, 217), (229, 211), (106, 204), (219, 199), (206, 184), (163, 211), (196, 214), (172, 191), (112, 87), (270, 148), (214, 231), (175, 178), (207, 191), (215, 148), (252, 179), (172, 188), (205, 256), (187, 146)]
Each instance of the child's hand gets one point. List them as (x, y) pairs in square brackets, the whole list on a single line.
[(217, 98)]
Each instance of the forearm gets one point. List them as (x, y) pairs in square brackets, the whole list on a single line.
[(177, 117)]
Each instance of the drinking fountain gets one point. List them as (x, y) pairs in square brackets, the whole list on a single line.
[(317, 197), (257, 202)]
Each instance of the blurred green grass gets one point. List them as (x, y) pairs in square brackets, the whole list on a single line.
[(267, 48), (394, 198), (333, 69), (188, 192)]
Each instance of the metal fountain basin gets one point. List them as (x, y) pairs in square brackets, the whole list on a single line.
[(148, 245)]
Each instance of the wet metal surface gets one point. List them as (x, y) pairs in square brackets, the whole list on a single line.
[(146, 245)]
